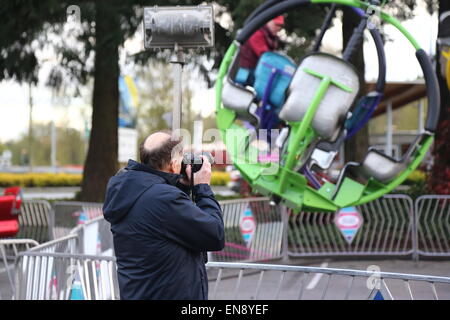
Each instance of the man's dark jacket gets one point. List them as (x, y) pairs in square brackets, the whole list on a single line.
[(160, 235)]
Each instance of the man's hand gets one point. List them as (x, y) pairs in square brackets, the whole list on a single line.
[(203, 175), (185, 180)]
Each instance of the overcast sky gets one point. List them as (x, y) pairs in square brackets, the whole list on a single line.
[(402, 66)]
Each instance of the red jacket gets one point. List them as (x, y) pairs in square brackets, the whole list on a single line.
[(261, 41)]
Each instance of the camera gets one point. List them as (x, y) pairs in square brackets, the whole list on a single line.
[(195, 160)]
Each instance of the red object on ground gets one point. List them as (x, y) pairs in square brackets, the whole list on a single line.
[(9, 211)]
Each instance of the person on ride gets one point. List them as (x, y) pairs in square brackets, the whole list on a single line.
[(263, 40)]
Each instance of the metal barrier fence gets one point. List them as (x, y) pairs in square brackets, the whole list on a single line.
[(36, 221), (68, 215), (386, 229), (94, 237), (9, 249), (67, 244), (62, 276), (253, 231), (263, 281), (432, 219)]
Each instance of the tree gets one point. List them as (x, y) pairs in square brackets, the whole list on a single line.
[(440, 176), (104, 26), (101, 160), (156, 99), (69, 146)]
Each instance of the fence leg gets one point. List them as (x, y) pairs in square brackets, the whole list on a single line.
[(5, 261), (285, 220), (415, 231)]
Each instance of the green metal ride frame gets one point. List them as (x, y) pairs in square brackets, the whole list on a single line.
[(283, 180)]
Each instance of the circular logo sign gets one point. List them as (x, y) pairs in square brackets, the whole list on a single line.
[(248, 225), (348, 221)]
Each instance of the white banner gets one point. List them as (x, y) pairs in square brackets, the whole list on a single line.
[(128, 144)]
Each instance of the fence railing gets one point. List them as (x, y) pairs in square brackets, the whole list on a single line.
[(36, 221), (263, 281), (393, 225), (432, 220), (62, 276), (66, 244), (386, 229), (253, 231), (94, 237), (68, 215), (59, 276), (9, 250)]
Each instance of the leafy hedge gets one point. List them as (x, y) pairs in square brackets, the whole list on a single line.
[(71, 180), (39, 179), (219, 178)]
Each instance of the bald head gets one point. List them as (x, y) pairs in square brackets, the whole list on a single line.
[(160, 150), (156, 140)]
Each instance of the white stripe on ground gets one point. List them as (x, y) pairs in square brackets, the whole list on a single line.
[(315, 280)]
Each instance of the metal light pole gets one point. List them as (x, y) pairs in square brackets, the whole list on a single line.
[(178, 28), (178, 63)]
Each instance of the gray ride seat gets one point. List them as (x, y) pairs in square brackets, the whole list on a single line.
[(332, 111), (379, 166), (238, 98)]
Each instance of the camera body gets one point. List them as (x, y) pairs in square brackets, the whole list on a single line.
[(195, 160)]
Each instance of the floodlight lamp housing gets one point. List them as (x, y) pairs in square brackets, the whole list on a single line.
[(184, 27)]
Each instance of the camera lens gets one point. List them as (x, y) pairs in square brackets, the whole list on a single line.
[(195, 160)]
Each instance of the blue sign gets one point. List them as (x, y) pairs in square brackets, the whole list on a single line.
[(378, 296)]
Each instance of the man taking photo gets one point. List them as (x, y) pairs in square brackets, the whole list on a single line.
[(160, 235)]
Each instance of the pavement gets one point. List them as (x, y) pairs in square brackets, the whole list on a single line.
[(316, 286)]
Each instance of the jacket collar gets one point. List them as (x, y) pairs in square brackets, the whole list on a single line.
[(171, 178)]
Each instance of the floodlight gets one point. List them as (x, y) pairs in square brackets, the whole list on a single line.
[(186, 27), (178, 28)]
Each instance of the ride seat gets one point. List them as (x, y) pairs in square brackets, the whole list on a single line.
[(384, 168), (238, 98), (333, 108), (380, 166), (273, 74)]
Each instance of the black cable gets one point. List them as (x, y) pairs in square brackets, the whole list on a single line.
[(355, 39)]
